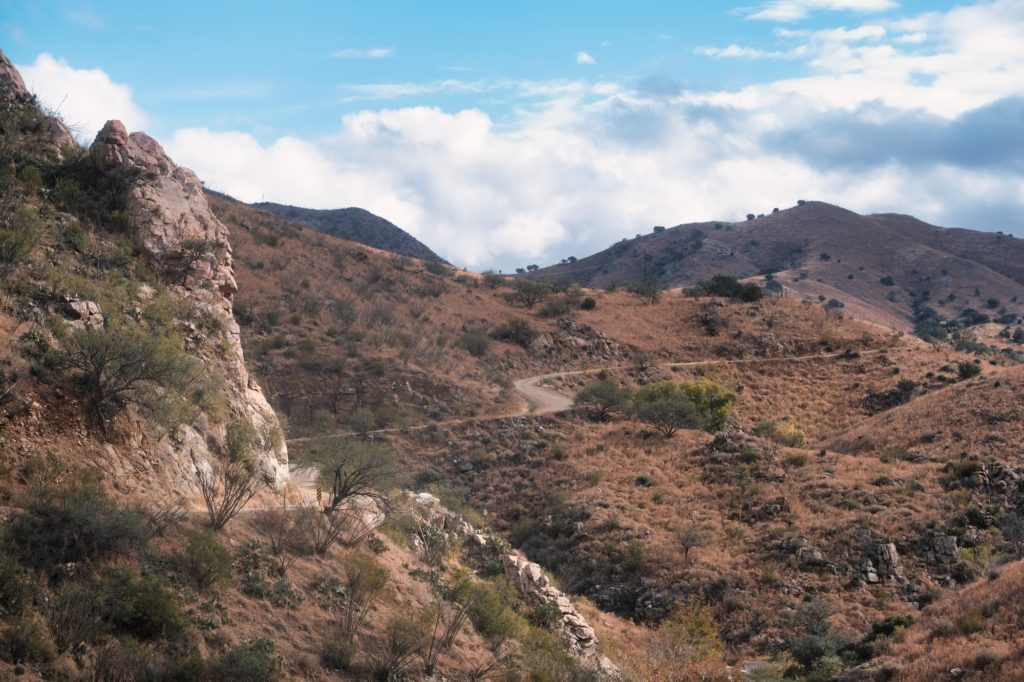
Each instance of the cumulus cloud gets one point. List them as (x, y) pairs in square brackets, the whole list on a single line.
[(363, 53), (85, 98), (584, 58), (930, 126)]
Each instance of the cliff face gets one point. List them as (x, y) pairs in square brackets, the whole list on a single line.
[(172, 225)]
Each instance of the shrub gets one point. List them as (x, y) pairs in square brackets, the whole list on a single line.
[(226, 488), (121, 659), (530, 292), (728, 287), (588, 303), (602, 399), (71, 616), (515, 331), (19, 234), (438, 268), (122, 365), (967, 369), (240, 439), (73, 522), (784, 432), (888, 281), (487, 605), (208, 561), (394, 652), (475, 343), (25, 642), (555, 307), (16, 588), (250, 661), (669, 406), (141, 606), (365, 580)]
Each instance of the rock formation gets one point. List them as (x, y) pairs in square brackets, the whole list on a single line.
[(176, 231), (13, 93)]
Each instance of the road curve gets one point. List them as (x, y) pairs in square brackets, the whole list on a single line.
[(544, 400)]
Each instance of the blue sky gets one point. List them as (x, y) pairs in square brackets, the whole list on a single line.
[(514, 132)]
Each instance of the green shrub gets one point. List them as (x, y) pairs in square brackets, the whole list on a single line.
[(208, 561), (728, 287), (401, 641), (250, 661), (121, 365), (530, 292), (555, 307), (122, 659), (888, 281), (602, 398), (487, 604), (438, 268), (73, 522), (19, 234), (141, 606), (72, 616), (475, 343), (515, 331), (588, 303), (967, 369), (16, 588), (240, 440), (25, 642)]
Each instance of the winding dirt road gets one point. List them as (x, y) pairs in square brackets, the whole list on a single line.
[(543, 400)]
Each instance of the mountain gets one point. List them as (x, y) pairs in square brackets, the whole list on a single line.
[(355, 224), (882, 268)]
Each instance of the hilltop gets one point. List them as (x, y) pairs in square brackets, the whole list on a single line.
[(881, 268), (357, 225)]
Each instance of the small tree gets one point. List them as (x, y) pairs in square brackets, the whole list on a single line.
[(353, 468), (669, 406), (530, 292), (602, 399), (227, 487), (122, 365)]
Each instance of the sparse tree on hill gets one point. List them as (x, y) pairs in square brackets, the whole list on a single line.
[(669, 406), (602, 399)]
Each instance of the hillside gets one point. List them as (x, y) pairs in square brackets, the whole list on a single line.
[(357, 225), (879, 267)]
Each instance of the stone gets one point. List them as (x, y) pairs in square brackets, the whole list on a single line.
[(889, 565), (83, 314), (946, 549)]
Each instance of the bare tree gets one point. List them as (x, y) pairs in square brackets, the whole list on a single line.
[(226, 488), (282, 528)]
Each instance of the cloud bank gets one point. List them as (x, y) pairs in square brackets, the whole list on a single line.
[(923, 115)]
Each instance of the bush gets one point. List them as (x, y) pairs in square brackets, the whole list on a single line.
[(72, 616), (487, 605), (967, 369), (515, 331), (728, 287), (888, 281), (669, 406), (250, 661), (588, 303), (529, 292), (226, 488), (555, 307), (602, 398), (19, 234), (783, 432), (122, 365), (141, 606), (16, 588), (475, 343), (74, 522), (208, 561), (25, 642), (394, 652)]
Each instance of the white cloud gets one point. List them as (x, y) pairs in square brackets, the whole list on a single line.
[(86, 17), (795, 10), (584, 58), (84, 98), (363, 53), (742, 52)]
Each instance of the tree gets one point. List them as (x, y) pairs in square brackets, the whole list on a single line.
[(353, 468), (530, 292), (227, 487), (602, 398), (124, 365), (669, 406)]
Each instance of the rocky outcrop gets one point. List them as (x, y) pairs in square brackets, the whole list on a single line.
[(178, 234), (530, 582), (13, 93), (574, 630)]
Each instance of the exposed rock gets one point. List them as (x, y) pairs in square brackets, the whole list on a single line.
[(946, 549), (83, 314), (13, 90), (574, 630), (173, 226), (889, 565)]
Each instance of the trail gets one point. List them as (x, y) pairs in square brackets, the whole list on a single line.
[(542, 400)]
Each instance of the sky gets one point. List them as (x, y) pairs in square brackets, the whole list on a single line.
[(502, 134)]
